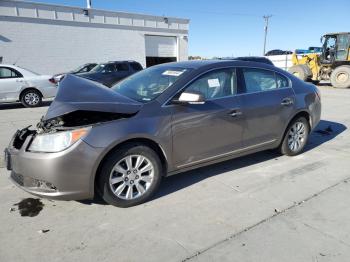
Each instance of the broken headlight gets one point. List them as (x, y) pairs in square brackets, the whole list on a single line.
[(58, 141)]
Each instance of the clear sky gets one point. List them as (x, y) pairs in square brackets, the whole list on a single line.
[(236, 27)]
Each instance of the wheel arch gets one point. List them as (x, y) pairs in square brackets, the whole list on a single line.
[(301, 113), (29, 88), (139, 140)]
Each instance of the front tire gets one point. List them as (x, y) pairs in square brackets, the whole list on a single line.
[(31, 98), (130, 175), (295, 137)]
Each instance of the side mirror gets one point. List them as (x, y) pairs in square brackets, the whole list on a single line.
[(190, 98)]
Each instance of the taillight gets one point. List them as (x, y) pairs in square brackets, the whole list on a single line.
[(52, 80)]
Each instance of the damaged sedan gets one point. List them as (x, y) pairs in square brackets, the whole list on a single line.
[(120, 142)]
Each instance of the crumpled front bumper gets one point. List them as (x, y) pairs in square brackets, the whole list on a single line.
[(66, 175)]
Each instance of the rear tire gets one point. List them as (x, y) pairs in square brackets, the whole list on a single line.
[(300, 71), (340, 77), (295, 137), (122, 181), (31, 98)]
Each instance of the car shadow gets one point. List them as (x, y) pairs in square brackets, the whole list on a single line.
[(324, 132), (6, 106)]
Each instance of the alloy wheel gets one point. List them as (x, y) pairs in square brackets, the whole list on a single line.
[(296, 136), (32, 99), (131, 177)]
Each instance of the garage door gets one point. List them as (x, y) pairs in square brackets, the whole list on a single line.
[(160, 49)]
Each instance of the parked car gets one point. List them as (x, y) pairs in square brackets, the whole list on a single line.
[(19, 84), (112, 72), (278, 52), (81, 69), (166, 119), (311, 49), (315, 49)]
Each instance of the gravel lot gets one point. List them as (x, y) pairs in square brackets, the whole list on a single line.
[(264, 207)]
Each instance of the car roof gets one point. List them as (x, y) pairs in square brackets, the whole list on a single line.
[(336, 33), (8, 65), (25, 72), (195, 64), (259, 59), (120, 61)]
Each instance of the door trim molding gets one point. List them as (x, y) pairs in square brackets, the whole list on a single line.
[(228, 153)]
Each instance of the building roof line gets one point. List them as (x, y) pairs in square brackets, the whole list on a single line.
[(185, 20)]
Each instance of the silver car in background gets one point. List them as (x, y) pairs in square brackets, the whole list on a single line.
[(119, 142), (19, 84)]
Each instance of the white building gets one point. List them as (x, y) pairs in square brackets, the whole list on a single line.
[(50, 39)]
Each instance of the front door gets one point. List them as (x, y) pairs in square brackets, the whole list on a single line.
[(204, 132), (267, 105), (11, 83)]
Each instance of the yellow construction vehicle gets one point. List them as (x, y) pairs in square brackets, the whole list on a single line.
[(333, 63)]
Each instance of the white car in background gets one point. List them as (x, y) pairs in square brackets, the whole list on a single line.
[(19, 84)]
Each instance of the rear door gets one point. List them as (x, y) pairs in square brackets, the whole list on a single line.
[(11, 83), (204, 132), (267, 104)]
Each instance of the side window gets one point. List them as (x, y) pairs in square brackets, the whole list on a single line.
[(216, 84), (281, 81), (109, 68), (257, 80), (8, 73), (91, 67), (84, 69), (122, 67)]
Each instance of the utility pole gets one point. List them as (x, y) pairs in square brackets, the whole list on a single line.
[(266, 18), (88, 4)]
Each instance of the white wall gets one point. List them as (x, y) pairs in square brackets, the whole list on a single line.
[(51, 39)]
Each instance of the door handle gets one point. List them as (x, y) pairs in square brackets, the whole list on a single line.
[(287, 102), (19, 80), (235, 113)]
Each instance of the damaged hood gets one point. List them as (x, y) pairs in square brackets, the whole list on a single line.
[(79, 94)]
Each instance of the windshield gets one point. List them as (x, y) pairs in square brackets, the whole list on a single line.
[(103, 68), (147, 84)]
